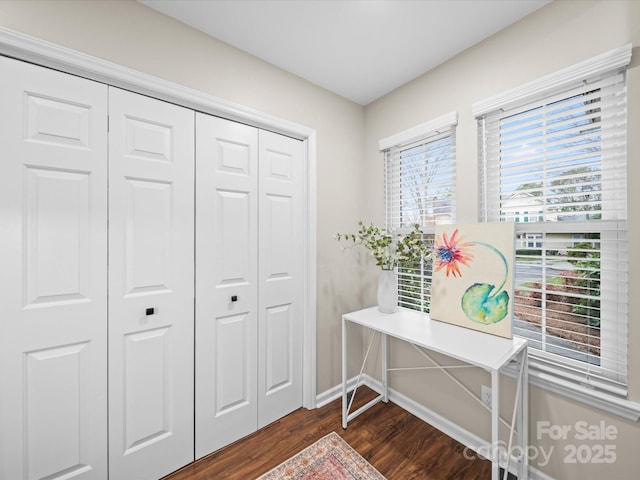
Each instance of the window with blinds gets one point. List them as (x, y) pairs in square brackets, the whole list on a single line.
[(556, 166), (420, 174)]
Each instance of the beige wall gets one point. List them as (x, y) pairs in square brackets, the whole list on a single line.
[(559, 35), (349, 167)]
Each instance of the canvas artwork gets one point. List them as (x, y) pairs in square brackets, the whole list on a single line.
[(473, 276)]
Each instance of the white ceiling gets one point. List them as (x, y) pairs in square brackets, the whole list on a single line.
[(359, 49)]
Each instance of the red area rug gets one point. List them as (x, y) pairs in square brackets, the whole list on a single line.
[(330, 458)]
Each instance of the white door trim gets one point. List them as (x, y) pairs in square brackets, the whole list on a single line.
[(31, 49)]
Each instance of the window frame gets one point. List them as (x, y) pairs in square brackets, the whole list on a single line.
[(544, 372), (432, 131)]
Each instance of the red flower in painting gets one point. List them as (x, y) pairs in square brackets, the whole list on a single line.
[(450, 252)]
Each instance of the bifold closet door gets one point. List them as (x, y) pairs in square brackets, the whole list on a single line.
[(281, 283), (151, 282), (226, 282), (53, 279), (249, 279)]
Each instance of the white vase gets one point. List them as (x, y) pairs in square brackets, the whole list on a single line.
[(388, 291)]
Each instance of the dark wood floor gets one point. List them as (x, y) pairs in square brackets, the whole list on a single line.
[(398, 444)]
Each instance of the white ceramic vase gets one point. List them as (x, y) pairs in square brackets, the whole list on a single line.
[(388, 291)]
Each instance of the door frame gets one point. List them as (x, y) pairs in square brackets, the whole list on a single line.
[(46, 54)]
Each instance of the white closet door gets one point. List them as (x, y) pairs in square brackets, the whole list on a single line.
[(226, 282), (53, 260), (151, 256), (281, 276)]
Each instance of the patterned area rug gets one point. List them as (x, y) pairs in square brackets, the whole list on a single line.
[(330, 458)]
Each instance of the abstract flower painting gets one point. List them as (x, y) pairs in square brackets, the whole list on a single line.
[(450, 252), (473, 276)]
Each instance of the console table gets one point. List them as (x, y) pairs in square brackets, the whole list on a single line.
[(475, 349)]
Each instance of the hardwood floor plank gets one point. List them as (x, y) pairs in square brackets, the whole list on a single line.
[(398, 444)]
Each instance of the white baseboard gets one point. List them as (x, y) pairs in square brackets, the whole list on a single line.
[(447, 427), (334, 393)]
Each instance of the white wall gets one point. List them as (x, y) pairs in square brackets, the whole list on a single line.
[(557, 36)]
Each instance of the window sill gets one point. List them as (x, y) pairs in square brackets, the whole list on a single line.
[(609, 403)]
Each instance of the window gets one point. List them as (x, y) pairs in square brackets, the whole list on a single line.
[(420, 174), (553, 159)]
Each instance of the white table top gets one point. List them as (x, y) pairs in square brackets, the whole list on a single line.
[(481, 349)]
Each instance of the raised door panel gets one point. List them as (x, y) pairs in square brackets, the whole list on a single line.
[(57, 221), (281, 276), (151, 286), (148, 237), (226, 277), (147, 387), (57, 438), (278, 365), (53, 292)]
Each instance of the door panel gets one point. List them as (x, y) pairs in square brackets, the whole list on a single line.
[(53, 291), (278, 326), (232, 390), (148, 232), (226, 276), (151, 225), (56, 442), (233, 236), (147, 387), (57, 121), (281, 276), (56, 214)]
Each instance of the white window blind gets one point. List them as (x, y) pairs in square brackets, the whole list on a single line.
[(420, 174), (556, 166)]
